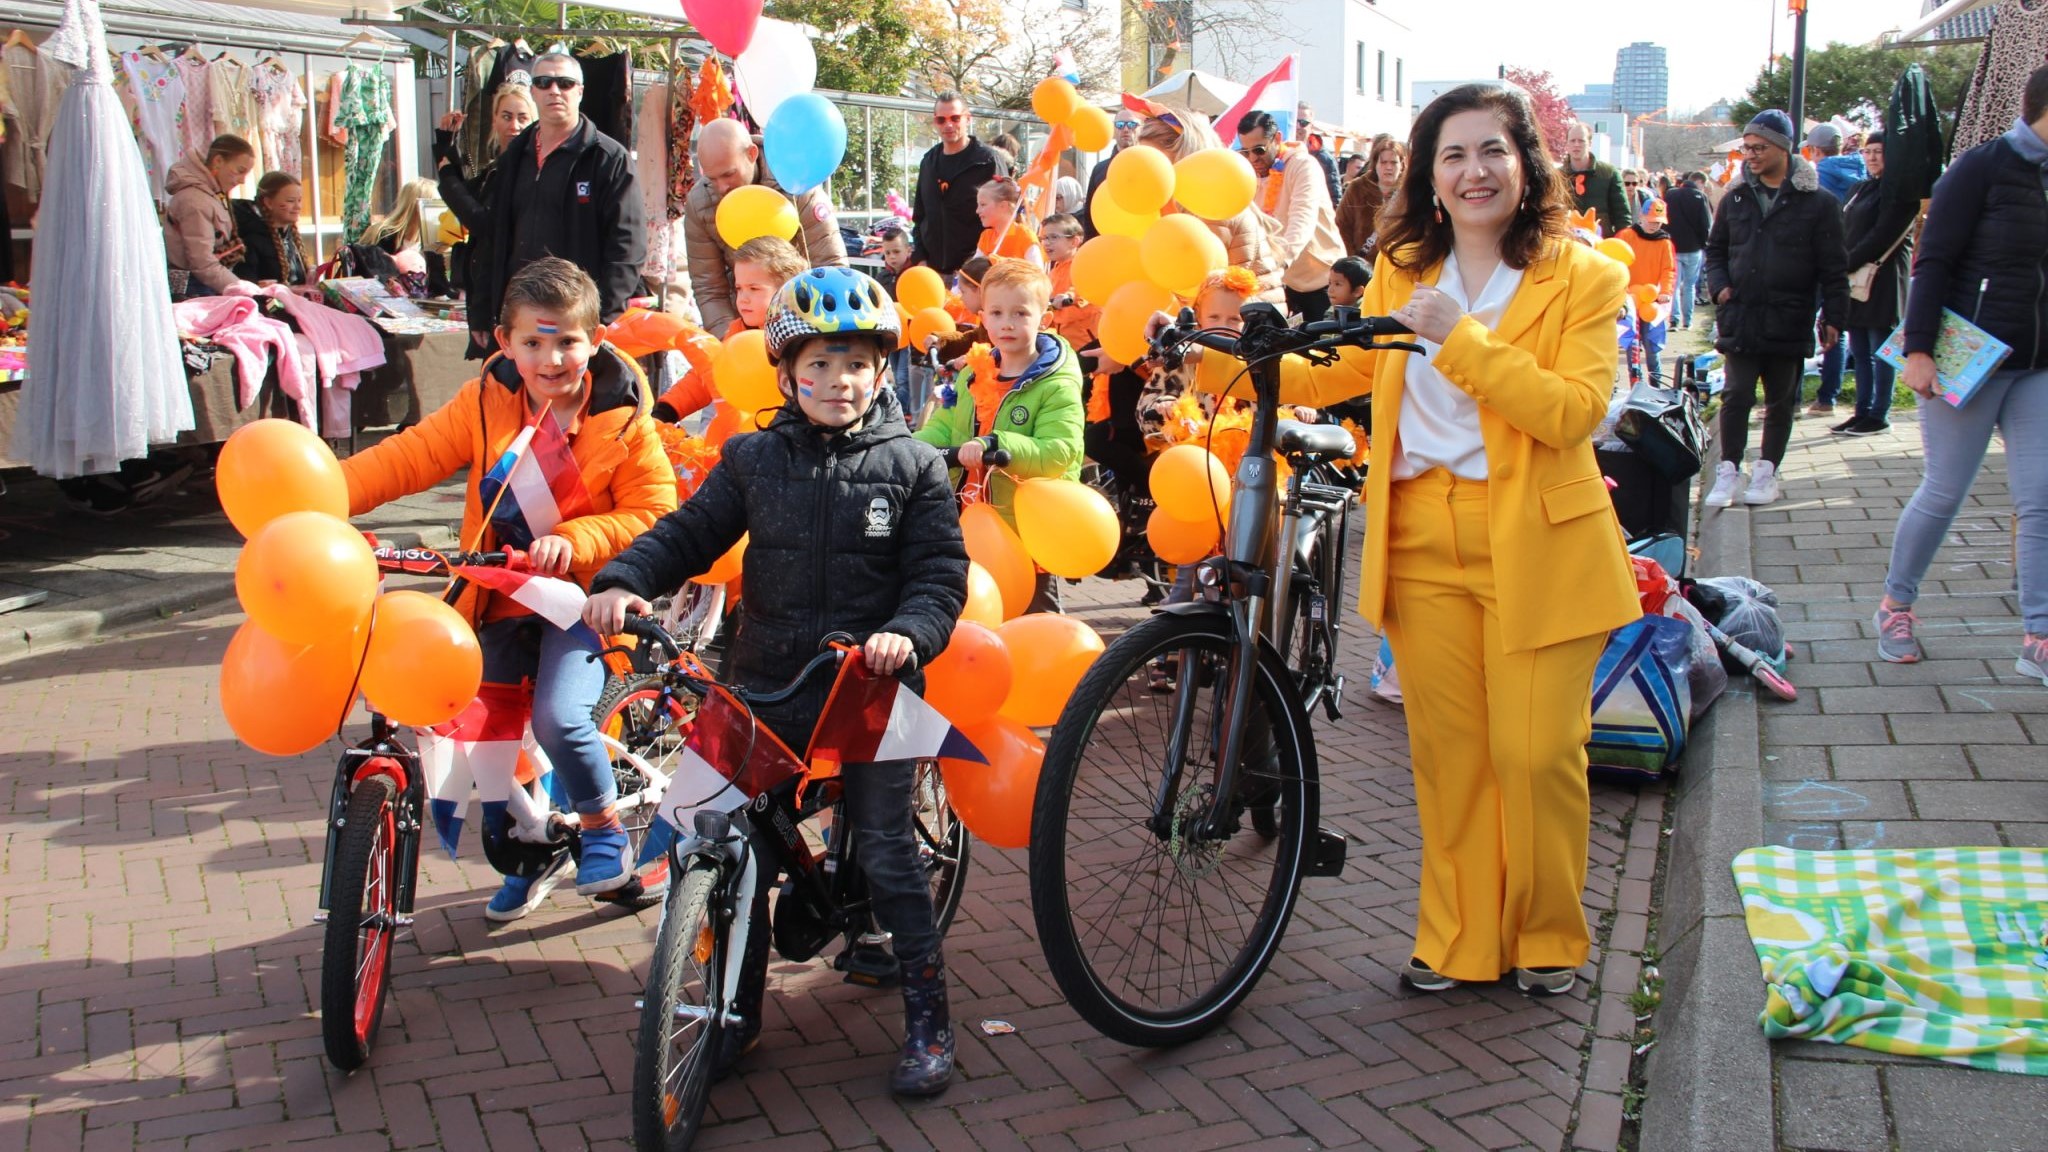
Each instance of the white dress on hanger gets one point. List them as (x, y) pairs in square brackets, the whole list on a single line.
[(105, 380)]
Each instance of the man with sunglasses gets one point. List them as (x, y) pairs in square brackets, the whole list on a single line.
[(561, 188), (947, 179), (1300, 220), (1126, 124)]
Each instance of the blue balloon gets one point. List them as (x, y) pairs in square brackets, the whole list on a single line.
[(805, 140)]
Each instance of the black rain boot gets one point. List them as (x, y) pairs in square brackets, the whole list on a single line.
[(927, 1063), (736, 1040)]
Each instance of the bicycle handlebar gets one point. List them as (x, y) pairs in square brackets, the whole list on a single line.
[(1344, 326), (430, 562), (650, 630), (990, 457)]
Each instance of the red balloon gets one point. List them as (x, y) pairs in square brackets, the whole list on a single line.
[(994, 799), (970, 679), (728, 24)]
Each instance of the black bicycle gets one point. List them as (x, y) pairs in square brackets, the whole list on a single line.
[(1171, 832)]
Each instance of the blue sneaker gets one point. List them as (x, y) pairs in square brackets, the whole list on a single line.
[(520, 895), (602, 866)]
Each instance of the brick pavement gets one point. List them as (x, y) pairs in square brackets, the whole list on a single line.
[(159, 960), (1945, 753)]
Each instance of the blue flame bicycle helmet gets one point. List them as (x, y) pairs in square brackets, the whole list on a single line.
[(830, 301)]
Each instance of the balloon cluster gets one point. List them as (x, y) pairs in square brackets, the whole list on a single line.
[(802, 133), (318, 630)]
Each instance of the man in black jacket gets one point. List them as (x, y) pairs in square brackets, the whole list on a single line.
[(1126, 124), (1690, 221), (947, 179), (1775, 248), (561, 188)]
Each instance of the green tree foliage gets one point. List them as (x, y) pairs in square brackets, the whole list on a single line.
[(1855, 81), (862, 45)]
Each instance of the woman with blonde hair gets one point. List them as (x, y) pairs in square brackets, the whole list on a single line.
[(403, 232), (512, 112), (1181, 135)]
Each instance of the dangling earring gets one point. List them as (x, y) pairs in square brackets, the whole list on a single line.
[(1438, 201)]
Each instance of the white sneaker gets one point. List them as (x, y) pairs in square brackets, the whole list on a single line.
[(1763, 484), (1726, 477)]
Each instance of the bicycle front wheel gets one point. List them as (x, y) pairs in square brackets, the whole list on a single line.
[(682, 1016), (362, 921), (1153, 928)]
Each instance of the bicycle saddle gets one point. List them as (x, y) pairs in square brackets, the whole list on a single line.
[(1321, 441)]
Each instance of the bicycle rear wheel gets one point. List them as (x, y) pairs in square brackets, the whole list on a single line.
[(943, 844), (1153, 931), (362, 920), (682, 1015)]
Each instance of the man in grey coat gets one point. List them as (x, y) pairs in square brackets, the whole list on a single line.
[(729, 159)]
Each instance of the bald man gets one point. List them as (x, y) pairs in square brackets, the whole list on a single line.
[(728, 159)]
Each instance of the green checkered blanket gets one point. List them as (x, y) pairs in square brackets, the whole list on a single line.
[(1938, 953)]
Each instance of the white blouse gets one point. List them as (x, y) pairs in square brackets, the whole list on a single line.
[(1439, 424)]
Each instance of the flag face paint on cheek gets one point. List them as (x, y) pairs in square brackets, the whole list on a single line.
[(804, 386)]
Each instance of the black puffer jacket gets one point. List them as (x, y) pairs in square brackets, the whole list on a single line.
[(1988, 221), (1872, 223), (850, 533), (1777, 261)]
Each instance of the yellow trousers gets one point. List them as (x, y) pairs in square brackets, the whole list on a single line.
[(1498, 741)]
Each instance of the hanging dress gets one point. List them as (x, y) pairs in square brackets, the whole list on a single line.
[(281, 113), (365, 111), (158, 87), (197, 72), (105, 380)]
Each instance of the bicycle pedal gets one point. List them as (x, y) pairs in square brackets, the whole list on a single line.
[(1326, 855), (1333, 700), (868, 967)]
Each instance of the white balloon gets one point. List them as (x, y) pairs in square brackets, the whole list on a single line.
[(780, 63)]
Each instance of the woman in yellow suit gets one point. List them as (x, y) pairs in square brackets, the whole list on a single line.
[(1493, 560)]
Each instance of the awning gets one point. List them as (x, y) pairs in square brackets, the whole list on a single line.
[(1938, 17), (1196, 91), (282, 25)]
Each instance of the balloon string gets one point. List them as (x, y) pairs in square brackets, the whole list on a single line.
[(355, 682)]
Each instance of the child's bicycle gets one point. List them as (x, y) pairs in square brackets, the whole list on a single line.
[(377, 814), (743, 802)]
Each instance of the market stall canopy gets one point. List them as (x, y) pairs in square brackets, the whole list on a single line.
[(1930, 23), (1196, 91), (287, 24)]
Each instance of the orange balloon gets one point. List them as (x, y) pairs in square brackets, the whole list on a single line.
[(641, 331), (984, 598), (423, 665), (1113, 219), (725, 420), (1054, 99), (726, 568), (970, 679), (1093, 129), (743, 375), (1049, 654), (994, 545), (1104, 265), (927, 323), (271, 467), (306, 578), (1067, 527), (283, 699), (1190, 484), (1644, 293), (995, 799), (920, 288), (1126, 313), (1181, 541), (1179, 252), (1140, 180)]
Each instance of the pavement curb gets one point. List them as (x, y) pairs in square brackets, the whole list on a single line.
[(1709, 1079)]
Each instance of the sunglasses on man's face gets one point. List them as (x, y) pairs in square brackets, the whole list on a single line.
[(565, 83), (1257, 150), (949, 119), (1630, 183), (1127, 123)]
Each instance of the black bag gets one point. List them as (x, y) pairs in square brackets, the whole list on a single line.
[(1663, 426)]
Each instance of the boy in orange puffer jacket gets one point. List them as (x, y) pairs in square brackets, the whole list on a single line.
[(1656, 265)]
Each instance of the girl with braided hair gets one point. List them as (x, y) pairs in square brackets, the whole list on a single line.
[(272, 250)]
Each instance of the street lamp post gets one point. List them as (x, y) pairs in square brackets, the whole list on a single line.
[(1798, 108)]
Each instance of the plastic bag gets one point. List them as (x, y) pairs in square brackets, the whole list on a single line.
[(1706, 675), (1385, 683), (1743, 608)]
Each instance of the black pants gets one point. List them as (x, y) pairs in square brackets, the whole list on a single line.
[(1308, 305), (1780, 376)]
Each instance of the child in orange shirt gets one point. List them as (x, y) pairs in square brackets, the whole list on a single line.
[(759, 267), (1072, 317), (1656, 264), (998, 203)]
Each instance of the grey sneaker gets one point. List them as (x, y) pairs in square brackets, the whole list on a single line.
[(1895, 642), (1423, 978), (2033, 659), (1546, 981)]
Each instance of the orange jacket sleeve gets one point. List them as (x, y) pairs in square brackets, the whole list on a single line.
[(418, 458), (691, 393), (643, 490)]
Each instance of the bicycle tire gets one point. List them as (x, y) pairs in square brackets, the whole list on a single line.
[(1090, 951), (362, 921), (687, 971), (943, 843)]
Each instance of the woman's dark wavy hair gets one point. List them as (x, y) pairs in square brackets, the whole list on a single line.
[(1410, 234)]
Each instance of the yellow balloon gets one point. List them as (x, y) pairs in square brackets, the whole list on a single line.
[(1093, 129), (1111, 219), (1068, 527), (1140, 180), (1616, 249), (743, 376), (755, 210), (1179, 252), (920, 288), (1125, 315), (1214, 184), (1104, 265), (1054, 99), (1190, 484)]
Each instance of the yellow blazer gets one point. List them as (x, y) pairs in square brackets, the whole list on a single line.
[(1543, 379)]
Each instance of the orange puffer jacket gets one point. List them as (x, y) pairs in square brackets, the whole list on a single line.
[(617, 449)]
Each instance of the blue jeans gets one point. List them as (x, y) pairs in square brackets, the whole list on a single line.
[(1830, 374), (1953, 442), (1874, 377), (566, 685), (1688, 285)]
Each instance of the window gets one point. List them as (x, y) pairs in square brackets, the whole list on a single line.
[(1383, 75), (1400, 84), (1361, 67)]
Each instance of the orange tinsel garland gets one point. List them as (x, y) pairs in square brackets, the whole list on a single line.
[(691, 456)]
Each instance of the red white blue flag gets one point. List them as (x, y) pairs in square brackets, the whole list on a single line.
[(535, 485), (558, 602), (871, 718), (1274, 92), (479, 750)]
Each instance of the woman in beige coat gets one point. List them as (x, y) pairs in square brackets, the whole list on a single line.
[(199, 226), (1181, 135)]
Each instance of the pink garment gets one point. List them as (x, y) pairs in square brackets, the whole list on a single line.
[(344, 345), (335, 132), (236, 324), (198, 125)]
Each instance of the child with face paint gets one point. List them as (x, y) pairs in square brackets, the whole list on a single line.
[(852, 528), (759, 267)]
